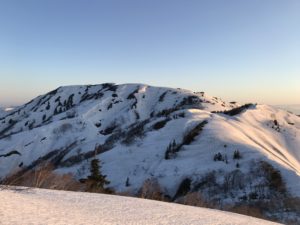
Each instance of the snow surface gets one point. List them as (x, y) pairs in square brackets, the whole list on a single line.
[(2, 112), (293, 108), (37, 206), (52, 122), (5, 111)]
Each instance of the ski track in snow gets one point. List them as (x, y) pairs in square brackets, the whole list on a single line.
[(38, 206)]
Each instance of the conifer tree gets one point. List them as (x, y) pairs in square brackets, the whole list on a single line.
[(237, 154), (96, 180)]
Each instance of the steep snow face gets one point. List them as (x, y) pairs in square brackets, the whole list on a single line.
[(36, 206), (130, 127)]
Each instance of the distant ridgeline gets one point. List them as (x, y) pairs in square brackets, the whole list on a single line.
[(291, 108)]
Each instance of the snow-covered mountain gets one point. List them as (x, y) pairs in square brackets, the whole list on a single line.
[(38, 206), (140, 131), (4, 110)]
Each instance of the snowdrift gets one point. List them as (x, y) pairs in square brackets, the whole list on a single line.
[(37, 206)]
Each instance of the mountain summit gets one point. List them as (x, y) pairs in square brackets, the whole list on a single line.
[(139, 132)]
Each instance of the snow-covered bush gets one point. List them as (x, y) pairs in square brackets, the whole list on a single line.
[(71, 113), (63, 128)]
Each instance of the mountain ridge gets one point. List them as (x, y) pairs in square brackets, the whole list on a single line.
[(142, 132)]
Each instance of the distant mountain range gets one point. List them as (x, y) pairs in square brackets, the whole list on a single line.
[(187, 142)]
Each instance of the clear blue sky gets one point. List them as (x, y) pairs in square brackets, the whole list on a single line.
[(236, 49)]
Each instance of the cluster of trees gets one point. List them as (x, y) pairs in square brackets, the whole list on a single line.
[(44, 176), (220, 157), (171, 150), (263, 194), (237, 110), (187, 139), (245, 198)]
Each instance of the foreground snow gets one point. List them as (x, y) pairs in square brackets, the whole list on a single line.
[(37, 206)]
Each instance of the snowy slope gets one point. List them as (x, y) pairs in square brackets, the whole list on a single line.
[(37, 206), (132, 126), (292, 108), (2, 112)]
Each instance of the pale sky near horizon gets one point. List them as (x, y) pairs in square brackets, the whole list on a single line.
[(239, 50)]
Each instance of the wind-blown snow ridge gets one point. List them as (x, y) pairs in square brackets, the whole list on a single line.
[(37, 206), (133, 124)]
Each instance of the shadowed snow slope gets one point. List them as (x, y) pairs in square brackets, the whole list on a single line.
[(36, 206)]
